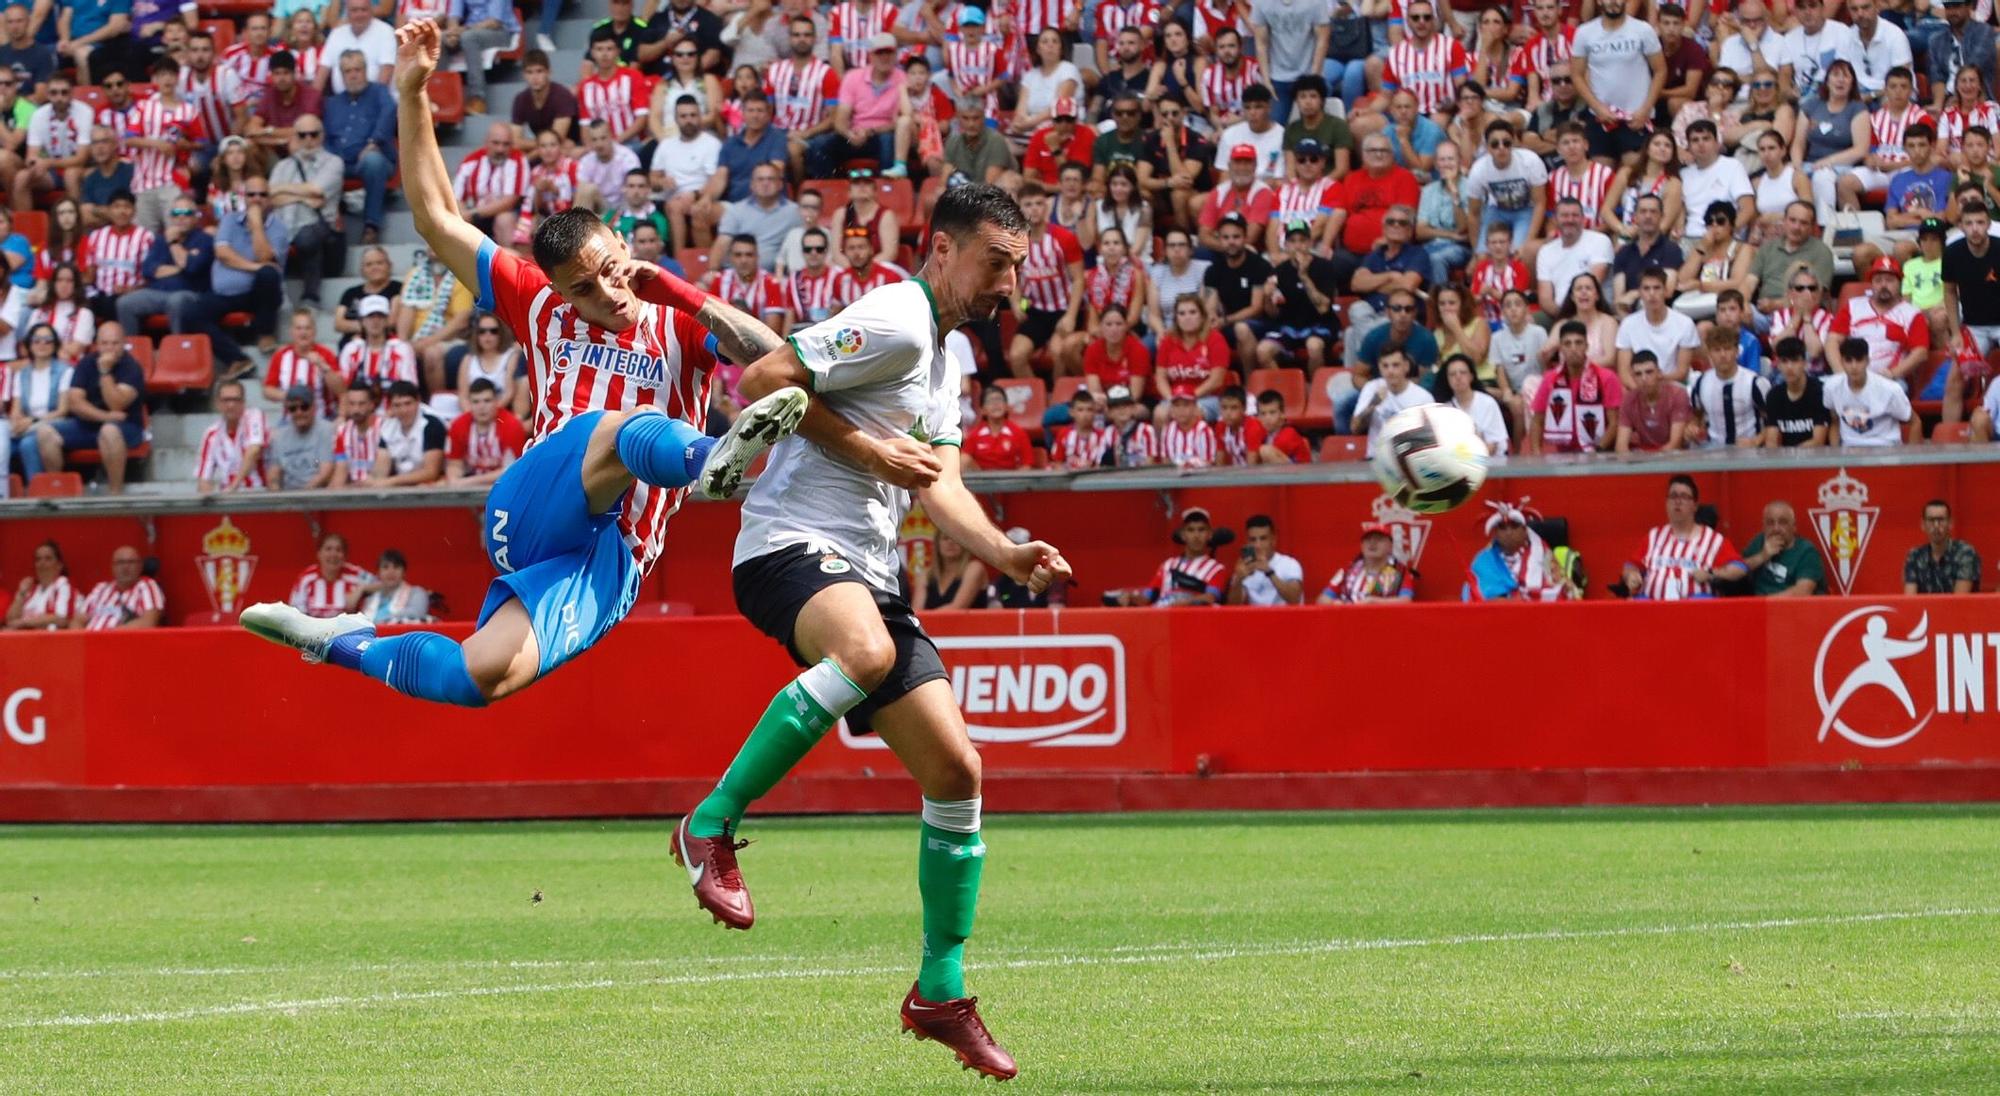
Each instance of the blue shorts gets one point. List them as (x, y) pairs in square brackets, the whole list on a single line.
[(77, 434), (570, 568)]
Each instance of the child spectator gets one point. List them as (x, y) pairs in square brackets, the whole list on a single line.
[(1499, 273), (388, 598), (996, 444), (1729, 313), (1515, 353), (1116, 358), (1795, 411), (1187, 441), (1239, 438), (1923, 275), (1193, 577), (1282, 444), (1134, 442), (1085, 443), (1374, 576)]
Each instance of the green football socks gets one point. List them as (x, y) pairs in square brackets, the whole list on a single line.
[(949, 865), (799, 716)]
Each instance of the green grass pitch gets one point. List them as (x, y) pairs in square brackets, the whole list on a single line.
[(1725, 951)]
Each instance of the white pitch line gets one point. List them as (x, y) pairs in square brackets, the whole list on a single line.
[(1168, 952)]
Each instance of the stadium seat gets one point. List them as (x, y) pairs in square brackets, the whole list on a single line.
[(55, 485), (448, 98), (694, 261), (898, 197), (1063, 389), (15, 488), (1289, 383), (1850, 291), (141, 350), (34, 224), (92, 96), (1951, 432), (184, 362), (1344, 447), (138, 452), (223, 31), (1318, 414), (1027, 400), (832, 194)]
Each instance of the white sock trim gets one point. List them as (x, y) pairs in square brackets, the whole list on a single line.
[(960, 816), (830, 689)]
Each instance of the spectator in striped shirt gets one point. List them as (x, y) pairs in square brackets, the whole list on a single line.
[(1194, 577), (1187, 442), (112, 256), (232, 449), (128, 599), (328, 587), (1682, 557), (1375, 577), (44, 601)]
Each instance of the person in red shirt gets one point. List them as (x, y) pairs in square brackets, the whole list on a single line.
[(1061, 141), (994, 443), (1361, 202), (482, 442), (1115, 357), (1238, 437), (1085, 443), (1245, 196), (1194, 352), (1282, 444)]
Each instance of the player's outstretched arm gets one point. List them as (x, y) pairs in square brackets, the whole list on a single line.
[(426, 181), (958, 514)]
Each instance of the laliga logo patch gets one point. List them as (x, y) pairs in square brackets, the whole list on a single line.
[(848, 341), (1876, 673)]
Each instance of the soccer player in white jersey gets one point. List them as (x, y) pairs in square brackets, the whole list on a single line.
[(622, 353), (817, 570)]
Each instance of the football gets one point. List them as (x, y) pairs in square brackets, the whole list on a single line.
[(1431, 459)]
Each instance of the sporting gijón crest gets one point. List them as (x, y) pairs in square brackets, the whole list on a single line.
[(1844, 521)]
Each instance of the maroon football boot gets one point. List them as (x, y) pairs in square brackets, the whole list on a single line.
[(718, 883), (957, 1025)]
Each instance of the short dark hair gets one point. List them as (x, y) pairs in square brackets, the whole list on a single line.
[(404, 388), (815, 231), (1572, 327), (1854, 348), (1500, 125), (1259, 521), (561, 235), (535, 59), (1682, 479), (1257, 93), (687, 100), (961, 210), (392, 556), (1921, 129), (1940, 504), (1792, 349), (121, 196), (1311, 81), (1271, 395), (1654, 274), (283, 61), (754, 95), (1674, 10), (482, 385), (1081, 395), (1701, 125), (167, 65), (641, 173), (745, 238), (1645, 356), (1233, 392)]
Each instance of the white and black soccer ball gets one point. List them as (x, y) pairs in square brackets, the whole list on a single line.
[(1430, 459)]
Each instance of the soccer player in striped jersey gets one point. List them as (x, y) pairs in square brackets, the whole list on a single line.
[(621, 353), (817, 570)]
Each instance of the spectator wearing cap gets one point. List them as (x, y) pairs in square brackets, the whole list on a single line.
[(1391, 391), (1235, 288), (1517, 564), (1963, 42), (1943, 564), (1134, 443), (1299, 310), (1780, 563), (1257, 129), (412, 447), (1186, 442), (1310, 121), (1244, 197), (301, 446), (1923, 279), (1375, 576), (1361, 203), (1193, 576), (177, 268), (1264, 575), (872, 119), (994, 443), (1060, 142), (1396, 263), (128, 599), (1303, 197), (1086, 442), (284, 100), (1866, 407), (100, 410), (1896, 333), (378, 356)]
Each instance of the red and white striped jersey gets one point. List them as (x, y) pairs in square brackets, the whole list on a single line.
[(619, 99), (407, 10), (971, 66), (1541, 52), (1077, 448), (755, 295), (808, 296), (1822, 322), (310, 60), (665, 360), (109, 607), (110, 258), (1184, 576), (216, 96), (57, 599), (1137, 446), (73, 322), (850, 25), (1953, 122), (1193, 447), (1358, 582), (486, 448), (1886, 131), (394, 360), (1222, 90), (355, 447), (222, 450), (118, 122), (1211, 18), (1234, 446), (290, 367), (153, 168), (1430, 72), (480, 178), (1114, 17), (1046, 276), (1670, 561), (561, 195), (1304, 201), (802, 95), (317, 596), (1588, 187), (253, 70), (1031, 16), (849, 285), (60, 136), (1490, 284)]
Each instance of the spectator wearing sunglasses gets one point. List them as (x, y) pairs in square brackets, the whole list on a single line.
[(177, 269), (305, 193), (301, 446), (284, 100), (1796, 244), (1562, 106)]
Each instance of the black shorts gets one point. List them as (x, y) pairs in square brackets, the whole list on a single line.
[(1614, 143), (772, 588), (1038, 326)]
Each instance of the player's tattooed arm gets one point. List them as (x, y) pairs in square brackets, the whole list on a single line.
[(740, 336)]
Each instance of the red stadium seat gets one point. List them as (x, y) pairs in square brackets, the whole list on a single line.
[(898, 197), (15, 488), (673, 608), (1289, 383), (1063, 389), (141, 350), (55, 485), (832, 195), (92, 96), (519, 49), (184, 362), (1038, 458), (1027, 400), (1951, 432), (1851, 290), (223, 31), (448, 98), (34, 224), (693, 260), (1344, 447), (1318, 414)]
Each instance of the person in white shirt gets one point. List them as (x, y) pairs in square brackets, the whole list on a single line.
[(682, 166), (1575, 250), (1264, 575), (1712, 177), (58, 144), (1670, 334), (1868, 408), (1259, 132), (373, 37), (1881, 45), (1751, 42), (412, 445), (1728, 401), (1391, 391), (1817, 42), (1463, 392)]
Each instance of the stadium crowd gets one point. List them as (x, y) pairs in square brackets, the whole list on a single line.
[(1596, 226)]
